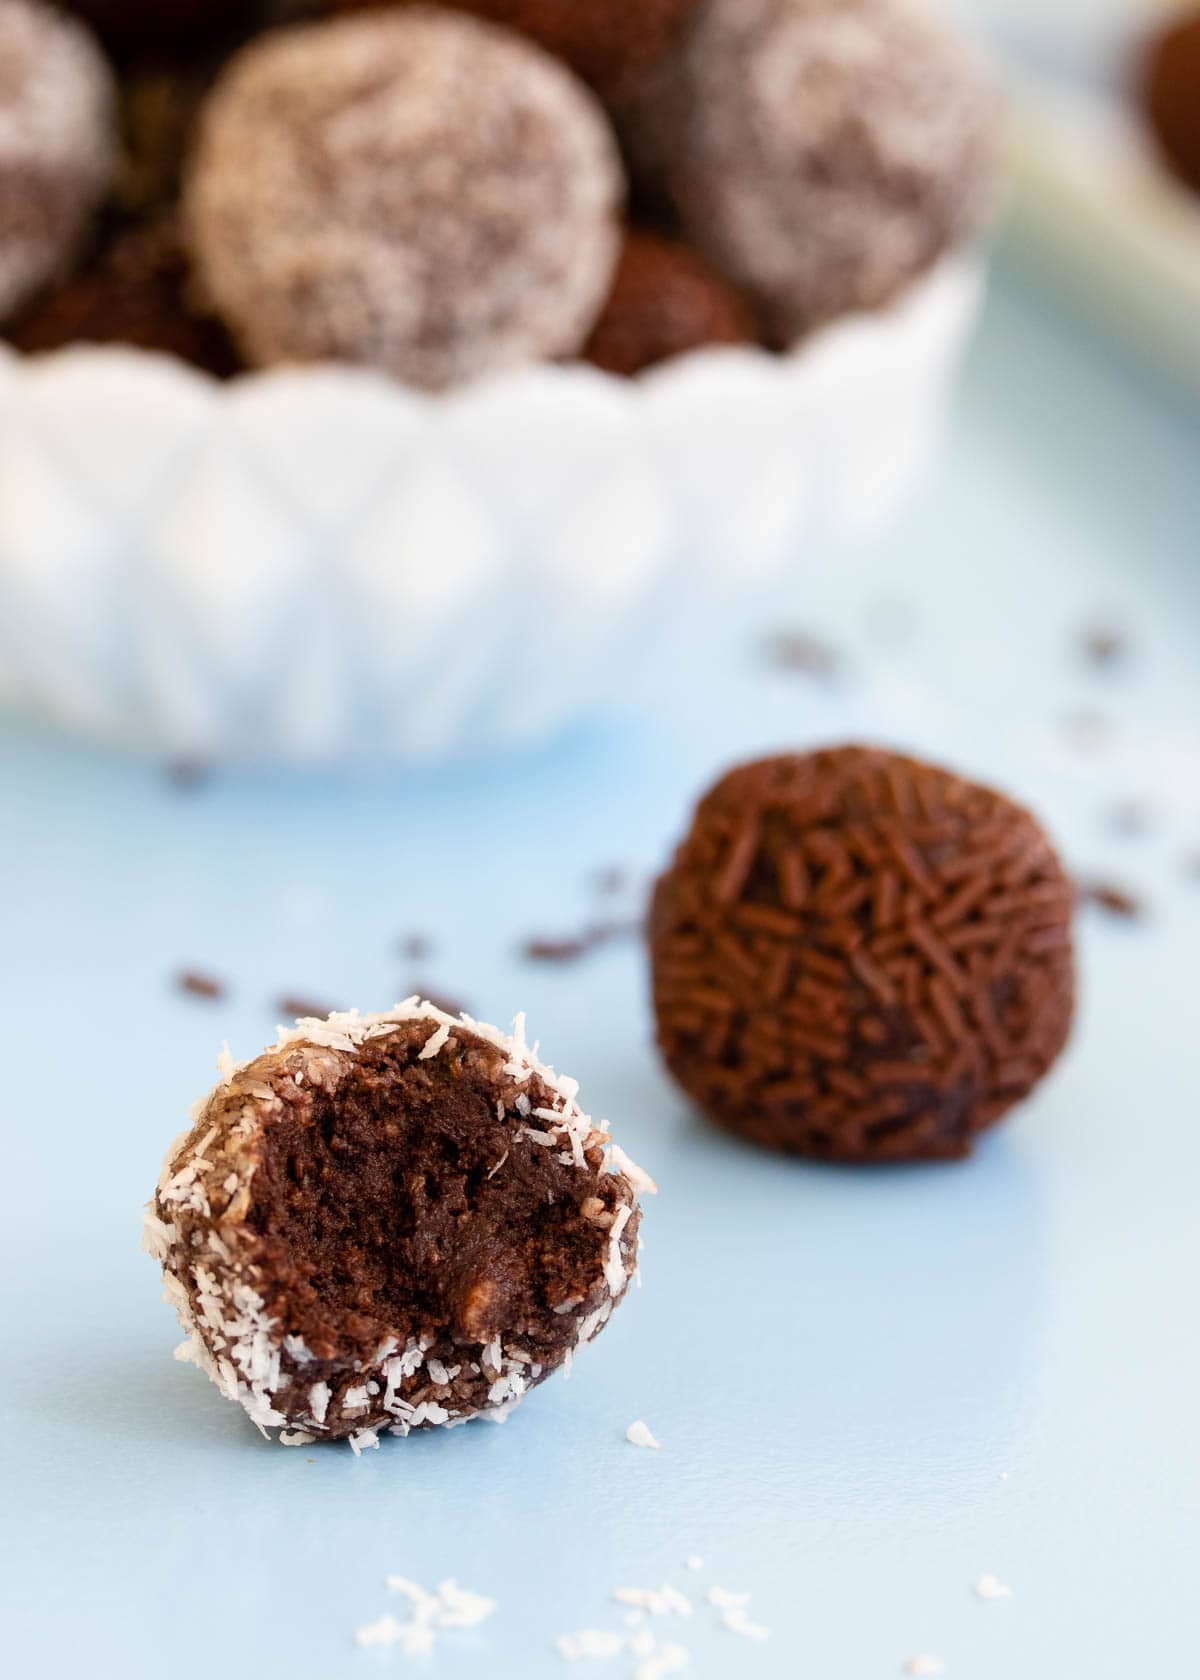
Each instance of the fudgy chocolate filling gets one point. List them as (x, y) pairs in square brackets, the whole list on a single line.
[(399, 1206)]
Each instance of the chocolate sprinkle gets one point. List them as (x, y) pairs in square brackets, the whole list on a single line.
[(860, 957), (1104, 647), (200, 985), (1118, 901), (296, 1007), (804, 654)]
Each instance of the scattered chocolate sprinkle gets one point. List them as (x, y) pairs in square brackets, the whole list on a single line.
[(611, 881), (556, 950), (858, 956), (805, 654), (187, 774), (1118, 901), (200, 985), (417, 947), (293, 1007), (1104, 646), (577, 946)]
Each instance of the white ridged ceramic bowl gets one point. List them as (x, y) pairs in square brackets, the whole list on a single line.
[(314, 563)]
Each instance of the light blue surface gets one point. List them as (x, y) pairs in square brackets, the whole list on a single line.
[(870, 1387)]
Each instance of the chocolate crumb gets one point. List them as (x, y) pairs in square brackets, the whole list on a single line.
[(805, 654), (1104, 646), (296, 1007), (187, 774), (200, 985), (416, 947), (1118, 901)]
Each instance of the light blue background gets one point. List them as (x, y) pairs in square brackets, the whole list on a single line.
[(870, 1387)]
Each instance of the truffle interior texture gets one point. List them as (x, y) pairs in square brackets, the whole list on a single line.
[(396, 1206)]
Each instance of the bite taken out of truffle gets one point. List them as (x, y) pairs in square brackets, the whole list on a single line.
[(391, 1222), (822, 154), (861, 957), (665, 302), (413, 189), (58, 144), (1171, 93), (609, 43)]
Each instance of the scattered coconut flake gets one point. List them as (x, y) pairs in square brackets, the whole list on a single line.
[(667, 1659), (693, 1562), (458, 1607), (641, 1180), (589, 1642), (638, 1435), (991, 1586), (295, 1438), (659, 1601), (925, 1665), (436, 1043), (226, 1066), (738, 1621), (723, 1599), (361, 1440)]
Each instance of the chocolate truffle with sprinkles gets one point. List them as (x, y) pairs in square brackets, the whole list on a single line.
[(821, 153), (860, 957), (393, 1222), (57, 144), (415, 190), (665, 302), (610, 43)]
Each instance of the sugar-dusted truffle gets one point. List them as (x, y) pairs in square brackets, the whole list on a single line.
[(610, 43), (413, 189), (822, 153), (665, 302), (392, 1221), (136, 291), (861, 957), (57, 144), (1172, 95)]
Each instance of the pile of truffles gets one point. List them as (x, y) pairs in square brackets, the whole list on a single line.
[(446, 193), (861, 957)]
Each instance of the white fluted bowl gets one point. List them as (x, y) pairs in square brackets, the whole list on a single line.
[(316, 562)]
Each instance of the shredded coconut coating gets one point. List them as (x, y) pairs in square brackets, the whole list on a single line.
[(201, 1227), (417, 191), (57, 144), (821, 153)]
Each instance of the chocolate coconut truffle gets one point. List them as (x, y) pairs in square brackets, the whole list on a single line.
[(610, 43), (414, 190), (822, 153), (860, 957), (1172, 96), (391, 1222), (665, 302), (57, 144), (137, 291)]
